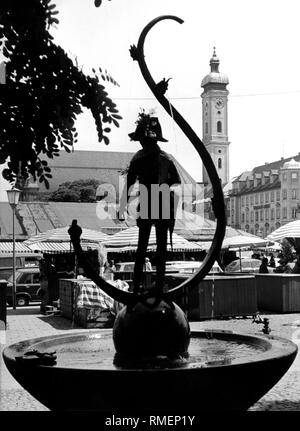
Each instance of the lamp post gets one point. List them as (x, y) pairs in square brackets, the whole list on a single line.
[(13, 199)]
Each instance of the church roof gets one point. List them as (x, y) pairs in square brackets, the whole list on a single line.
[(105, 166)]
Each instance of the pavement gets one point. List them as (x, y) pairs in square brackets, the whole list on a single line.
[(27, 322)]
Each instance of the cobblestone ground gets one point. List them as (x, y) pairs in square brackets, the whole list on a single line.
[(29, 323)]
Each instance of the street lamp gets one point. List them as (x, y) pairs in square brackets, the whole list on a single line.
[(13, 199)]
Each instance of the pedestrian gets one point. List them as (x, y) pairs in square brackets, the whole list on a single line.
[(152, 167), (148, 266), (263, 269), (272, 261), (109, 267)]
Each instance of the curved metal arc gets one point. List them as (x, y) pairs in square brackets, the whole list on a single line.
[(219, 204)]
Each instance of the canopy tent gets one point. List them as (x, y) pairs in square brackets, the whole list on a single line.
[(6, 247), (290, 232), (274, 247), (194, 227), (61, 235), (21, 250), (127, 240), (60, 247), (229, 233), (241, 241)]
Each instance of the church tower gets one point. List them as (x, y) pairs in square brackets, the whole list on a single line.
[(215, 119)]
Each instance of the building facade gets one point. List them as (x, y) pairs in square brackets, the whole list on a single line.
[(265, 198)]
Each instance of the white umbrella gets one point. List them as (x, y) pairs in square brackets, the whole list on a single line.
[(289, 230), (61, 235), (241, 241), (128, 240)]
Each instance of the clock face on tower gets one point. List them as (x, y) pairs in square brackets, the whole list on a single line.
[(219, 103)]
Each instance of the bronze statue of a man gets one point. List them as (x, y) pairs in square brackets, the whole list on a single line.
[(156, 174)]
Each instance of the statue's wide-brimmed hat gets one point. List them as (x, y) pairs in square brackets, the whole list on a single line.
[(147, 123)]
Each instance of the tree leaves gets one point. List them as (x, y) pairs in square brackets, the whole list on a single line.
[(44, 92)]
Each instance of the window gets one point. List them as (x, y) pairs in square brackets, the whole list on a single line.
[(243, 218), (284, 176), (36, 277), (272, 213), (277, 213), (252, 216), (247, 200), (284, 212), (267, 214), (267, 197), (284, 194), (256, 215), (242, 201), (294, 212), (220, 163), (256, 198), (261, 215), (251, 199), (219, 126), (294, 176), (272, 196), (261, 198), (294, 193), (25, 278), (206, 127), (278, 195)]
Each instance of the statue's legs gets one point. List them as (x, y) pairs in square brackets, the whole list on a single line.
[(161, 227), (144, 234)]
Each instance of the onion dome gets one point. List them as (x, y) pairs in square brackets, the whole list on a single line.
[(215, 77)]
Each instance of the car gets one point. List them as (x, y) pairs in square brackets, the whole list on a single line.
[(244, 265), (28, 287), (189, 266), (124, 266), (22, 261)]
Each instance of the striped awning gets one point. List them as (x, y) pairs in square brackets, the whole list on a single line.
[(61, 235), (288, 230), (59, 247), (20, 247)]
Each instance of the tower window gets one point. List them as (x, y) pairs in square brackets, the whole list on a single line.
[(219, 126), (219, 151), (206, 127), (220, 163)]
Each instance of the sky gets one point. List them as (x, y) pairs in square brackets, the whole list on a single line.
[(256, 42)]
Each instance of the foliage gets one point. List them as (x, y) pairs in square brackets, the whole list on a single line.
[(44, 92), (76, 191)]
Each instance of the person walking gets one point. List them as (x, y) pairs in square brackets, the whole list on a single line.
[(148, 266), (263, 269)]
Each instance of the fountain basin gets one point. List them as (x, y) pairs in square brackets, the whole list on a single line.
[(225, 371)]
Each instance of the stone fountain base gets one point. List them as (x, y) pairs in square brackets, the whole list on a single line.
[(79, 381)]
